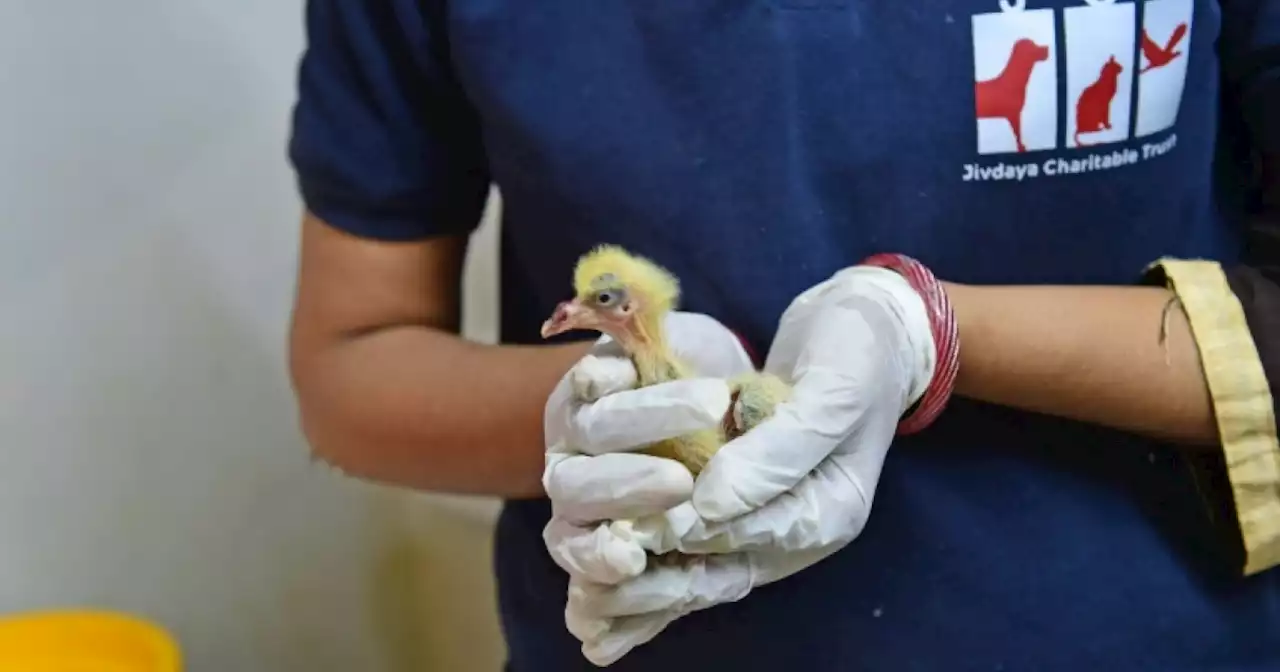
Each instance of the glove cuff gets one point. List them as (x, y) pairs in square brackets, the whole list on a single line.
[(946, 338)]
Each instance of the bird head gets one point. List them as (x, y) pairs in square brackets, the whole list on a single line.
[(619, 294)]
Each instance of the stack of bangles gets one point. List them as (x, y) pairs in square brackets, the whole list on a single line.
[(946, 338)]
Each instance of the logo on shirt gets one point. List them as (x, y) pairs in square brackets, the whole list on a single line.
[(1083, 78)]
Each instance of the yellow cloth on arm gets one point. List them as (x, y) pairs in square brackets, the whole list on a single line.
[(1242, 401)]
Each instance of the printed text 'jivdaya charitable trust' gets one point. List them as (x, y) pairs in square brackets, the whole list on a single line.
[(974, 172)]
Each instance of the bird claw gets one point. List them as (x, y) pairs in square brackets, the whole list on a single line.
[(753, 398), (731, 424)]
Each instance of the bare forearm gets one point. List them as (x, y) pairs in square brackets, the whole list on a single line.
[(1093, 354), (422, 408)]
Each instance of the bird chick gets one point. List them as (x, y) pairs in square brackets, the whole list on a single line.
[(627, 297)]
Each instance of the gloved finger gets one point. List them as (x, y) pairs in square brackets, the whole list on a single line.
[(598, 375), (589, 630), (769, 460), (829, 505), (624, 635), (594, 553), (594, 376), (672, 583), (585, 627), (659, 588), (707, 581), (607, 640), (774, 565), (615, 486), (633, 419)]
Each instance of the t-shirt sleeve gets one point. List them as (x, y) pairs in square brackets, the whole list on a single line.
[(1249, 46), (1227, 308), (1234, 312), (384, 143), (1232, 309), (1256, 284), (1258, 289)]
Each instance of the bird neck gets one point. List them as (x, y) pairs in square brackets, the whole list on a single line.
[(651, 354), (655, 365)]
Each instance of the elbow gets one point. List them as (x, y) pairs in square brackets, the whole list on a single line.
[(351, 433), (321, 437), (318, 417), (348, 446), (323, 442), (334, 438)]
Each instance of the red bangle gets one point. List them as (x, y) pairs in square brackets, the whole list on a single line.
[(946, 338)]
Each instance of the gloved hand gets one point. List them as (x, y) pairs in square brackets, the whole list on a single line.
[(859, 351), (593, 422)]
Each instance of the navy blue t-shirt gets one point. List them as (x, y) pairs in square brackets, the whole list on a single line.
[(755, 147)]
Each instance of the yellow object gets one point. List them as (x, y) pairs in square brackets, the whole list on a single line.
[(1242, 402), (621, 267), (85, 641)]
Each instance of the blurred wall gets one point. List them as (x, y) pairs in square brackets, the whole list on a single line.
[(151, 461)]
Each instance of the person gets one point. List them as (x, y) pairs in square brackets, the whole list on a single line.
[(1083, 190)]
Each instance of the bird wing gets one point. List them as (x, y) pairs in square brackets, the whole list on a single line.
[(1150, 49), (1176, 37)]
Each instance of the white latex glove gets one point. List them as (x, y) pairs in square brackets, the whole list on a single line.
[(859, 351), (594, 421)]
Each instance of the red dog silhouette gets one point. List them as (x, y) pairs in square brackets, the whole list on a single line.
[(1093, 109), (1158, 56), (1004, 96)]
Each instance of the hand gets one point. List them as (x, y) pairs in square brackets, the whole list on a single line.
[(594, 420), (859, 351)]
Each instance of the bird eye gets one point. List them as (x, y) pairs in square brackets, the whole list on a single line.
[(605, 298)]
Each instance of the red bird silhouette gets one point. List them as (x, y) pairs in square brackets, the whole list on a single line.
[(1158, 56), (1004, 96)]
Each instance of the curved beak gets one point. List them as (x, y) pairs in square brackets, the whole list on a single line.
[(569, 315)]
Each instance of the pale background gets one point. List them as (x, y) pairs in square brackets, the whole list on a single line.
[(150, 459)]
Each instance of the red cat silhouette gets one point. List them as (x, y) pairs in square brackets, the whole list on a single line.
[(1004, 96), (1157, 55), (1093, 109)]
